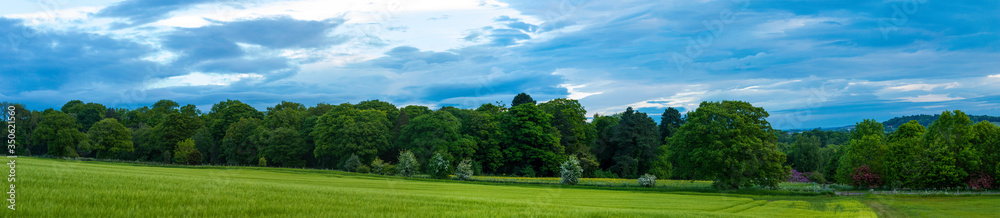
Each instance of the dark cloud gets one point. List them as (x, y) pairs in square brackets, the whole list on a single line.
[(139, 12)]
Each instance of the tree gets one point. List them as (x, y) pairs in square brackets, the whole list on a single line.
[(439, 166), (286, 114), (185, 153), (174, 128), (484, 128), (110, 137), (569, 117), (602, 147), (634, 141), (805, 155), (408, 164), (345, 130), (59, 133), (670, 121), (521, 99), (866, 147), (283, 147), (390, 110), (464, 170), (437, 131), (221, 117), (987, 142), (242, 141), (731, 143), (86, 114), (953, 158), (351, 163), (907, 159), (570, 171), (530, 142)]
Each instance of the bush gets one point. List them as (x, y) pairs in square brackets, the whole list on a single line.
[(605, 174), (407, 165), (816, 177), (351, 164), (980, 181), (796, 176), (364, 169), (571, 171), (527, 171), (464, 170), (439, 166), (389, 169), (262, 162), (864, 176), (647, 180), (378, 166)]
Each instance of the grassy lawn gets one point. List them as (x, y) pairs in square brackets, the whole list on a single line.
[(61, 188), (936, 206)]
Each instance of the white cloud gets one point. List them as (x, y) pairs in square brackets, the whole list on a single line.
[(924, 87), (574, 93), (202, 79), (994, 76), (930, 98)]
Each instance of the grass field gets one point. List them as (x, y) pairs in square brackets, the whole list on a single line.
[(63, 188)]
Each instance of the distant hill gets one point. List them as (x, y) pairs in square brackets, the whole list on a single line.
[(926, 120)]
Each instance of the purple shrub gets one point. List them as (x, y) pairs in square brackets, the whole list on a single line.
[(796, 176)]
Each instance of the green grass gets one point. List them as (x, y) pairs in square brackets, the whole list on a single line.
[(62, 188), (936, 206)]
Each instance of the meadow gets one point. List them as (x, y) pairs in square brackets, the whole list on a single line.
[(68, 188)]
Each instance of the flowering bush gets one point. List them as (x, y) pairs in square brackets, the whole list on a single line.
[(796, 176), (571, 171), (439, 166), (980, 181), (464, 170), (864, 176), (407, 165), (647, 180)]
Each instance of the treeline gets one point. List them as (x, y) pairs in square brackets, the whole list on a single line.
[(728, 142), (926, 120)]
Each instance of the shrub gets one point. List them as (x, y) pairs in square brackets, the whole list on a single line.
[(605, 174), (464, 170), (351, 164), (647, 180), (185, 153), (527, 171), (378, 166), (571, 171), (389, 169), (980, 181), (796, 176), (439, 166), (262, 162), (864, 176), (364, 169), (407, 165), (816, 177)]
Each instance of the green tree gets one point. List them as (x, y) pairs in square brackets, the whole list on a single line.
[(570, 118), (175, 127), (530, 142), (949, 141), (283, 147), (521, 99), (110, 138), (670, 121), (242, 141), (866, 147), (86, 114), (987, 143), (408, 164), (390, 110), (907, 160), (433, 132), (59, 133), (601, 147), (484, 128), (731, 143), (635, 141), (222, 115), (439, 166), (805, 154), (286, 114), (185, 153), (345, 130)]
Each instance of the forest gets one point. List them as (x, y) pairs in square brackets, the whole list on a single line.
[(729, 143)]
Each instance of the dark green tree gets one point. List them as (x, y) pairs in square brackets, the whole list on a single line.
[(805, 155), (242, 141), (86, 114), (286, 114), (345, 130), (731, 143), (484, 128), (866, 147), (907, 161), (949, 141), (283, 147), (635, 141), (521, 99), (437, 131), (110, 138), (987, 143), (530, 142), (59, 133), (670, 121)]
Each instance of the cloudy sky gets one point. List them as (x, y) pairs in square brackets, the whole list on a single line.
[(809, 63)]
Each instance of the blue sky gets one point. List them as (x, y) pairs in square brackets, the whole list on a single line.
[(809, 63)]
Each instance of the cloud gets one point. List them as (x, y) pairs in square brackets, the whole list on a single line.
[(139, 12), (924, 87), (930, 98)]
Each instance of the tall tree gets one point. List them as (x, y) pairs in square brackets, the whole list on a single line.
[(110, 138), (670, 121), (602, 147), (866, 147), (907, 159), (949, 139), (570, 118), (731, 143), (285, 114), (222, 115), (59, 133), (283, 147), (635, 141), (521, 99), (344, 131), (805, 155), (987, 142), (530, 142), (86, 114), (484, 128), (242, 142), (437, 131)]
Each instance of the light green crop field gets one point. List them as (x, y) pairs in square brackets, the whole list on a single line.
[(63, 188)]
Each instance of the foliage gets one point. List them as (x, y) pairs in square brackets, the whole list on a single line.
[(866, 147), (571, 171), (464, 170), (816, 177), (242, 141), (59, 133), (907, 157), (805, 155), (86, 114), (670, 122), (262, 162), (530, 141), (796, 176), (345, 130), (949, 146), (484, 128), (521, 99), (635, 141), (439, 166), (364, 169), (980, 181), (283, 146), (407, 165), (647, 180), (351, 163), (110, 138), (570, 118), (987, 143), (185, 153), (730, 143), (378, 166), (437, 131), (864, 176), (285, 114)]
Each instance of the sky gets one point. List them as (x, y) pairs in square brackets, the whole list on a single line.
[(810, 64)]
